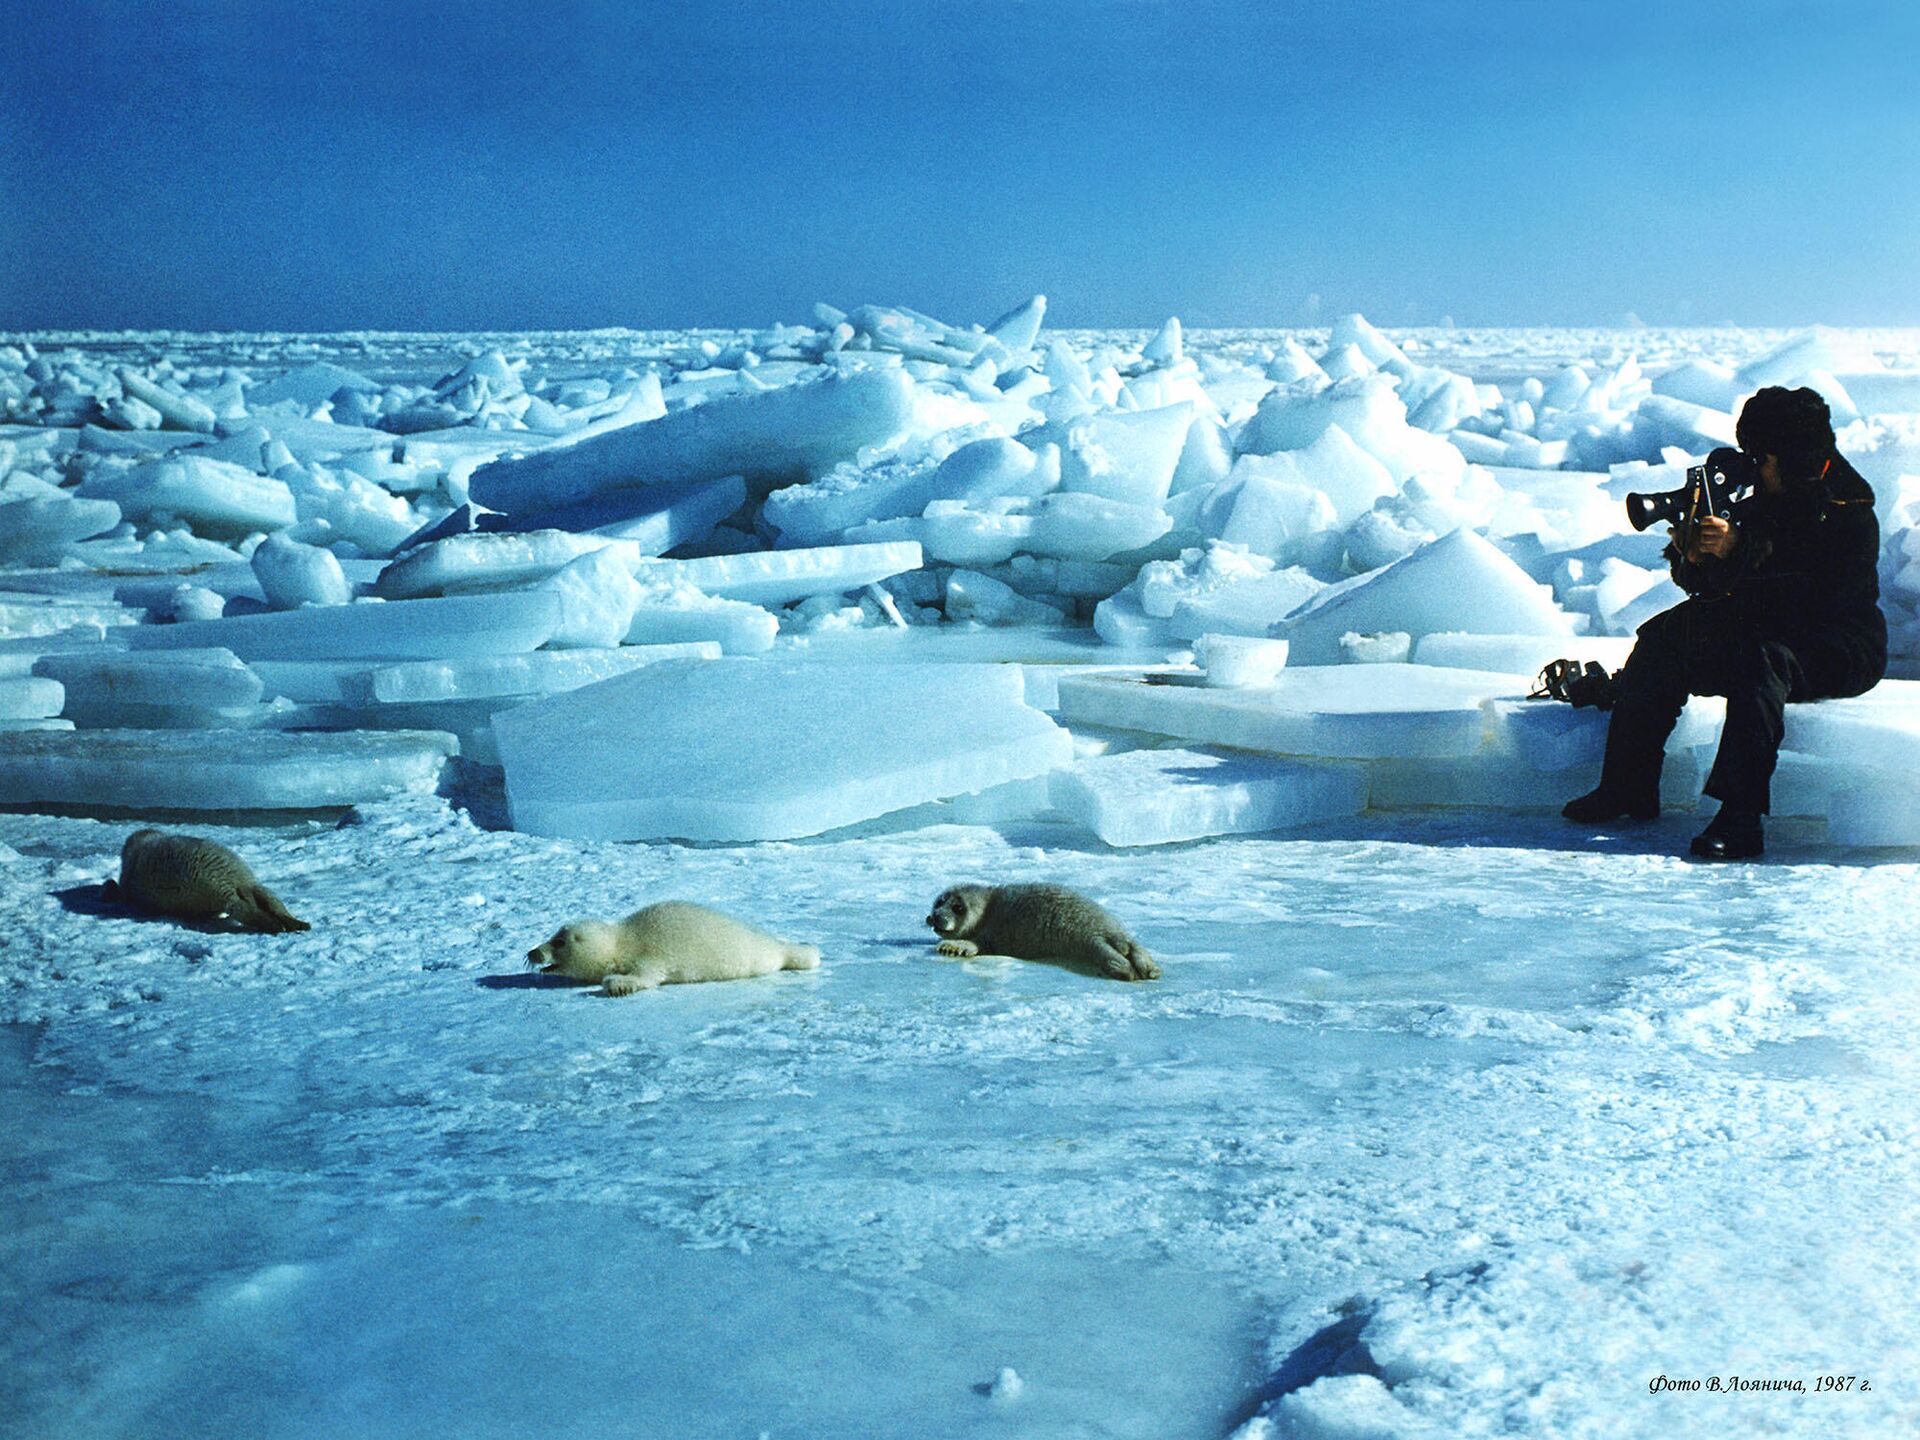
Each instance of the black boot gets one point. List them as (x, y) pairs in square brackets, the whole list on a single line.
[(1731, 835), (1597, 807)]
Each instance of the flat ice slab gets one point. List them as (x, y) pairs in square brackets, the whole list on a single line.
[(1335, 711), (545, 672), (206, 678), (217, 497), (1156, 797), (375, 630), (779, 577), (30, 697), (217, 770), (737, 750), (1884, 723)]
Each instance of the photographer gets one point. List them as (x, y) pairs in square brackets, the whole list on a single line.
[(1784, 608)]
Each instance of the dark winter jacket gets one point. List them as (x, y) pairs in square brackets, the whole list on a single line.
[(1806, 569)]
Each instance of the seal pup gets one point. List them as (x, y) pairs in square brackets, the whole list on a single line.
[(189, 878), (1037, 922), (671, 943)]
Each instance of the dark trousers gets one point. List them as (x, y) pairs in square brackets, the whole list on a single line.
[(1704, 648)]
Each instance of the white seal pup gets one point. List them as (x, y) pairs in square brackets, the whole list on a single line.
[(1037, 922), (672, 943), (194, 879)]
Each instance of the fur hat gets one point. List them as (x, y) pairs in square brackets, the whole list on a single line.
[(1792, 424)]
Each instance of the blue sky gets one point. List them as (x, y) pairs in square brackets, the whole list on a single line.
[(408, 166)]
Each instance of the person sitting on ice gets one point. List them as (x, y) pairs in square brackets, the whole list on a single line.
[(1784, 607)]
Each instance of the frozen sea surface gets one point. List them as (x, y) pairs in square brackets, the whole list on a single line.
[(1444, 1126)]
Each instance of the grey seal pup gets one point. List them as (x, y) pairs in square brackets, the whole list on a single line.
[(190, 878), (1037, 922)]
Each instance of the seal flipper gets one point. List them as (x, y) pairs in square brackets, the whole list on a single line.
[(258, 909)]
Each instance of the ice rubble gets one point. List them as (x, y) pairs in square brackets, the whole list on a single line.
[(326, 548)]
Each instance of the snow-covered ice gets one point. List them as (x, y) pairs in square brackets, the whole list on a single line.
[(1507, 1122), (1446, 1118)]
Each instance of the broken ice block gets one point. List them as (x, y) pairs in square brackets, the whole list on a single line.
[(1127, 456), (228, 770), (22, 619), (316, 682), (1251, 605), (1367, 407), (1156, 797), (293, 574), (1880, 728), (1380, 647), (597, 595), (483, 559), (779, 577), (1458, 582), (1267, 515), (738, 750), (767, 435), (1546, 735), (38, 528), (653, 520), (1349, 478), (374, 630), (30, 697), (1238, 661), (851, 495), (308, 387), (217, 498), (1017, 329), (1063, 526), (545, 672), (973, 596), (1872, 807), (673, 611), (179, 411), (208, 679), (1336, 711)]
